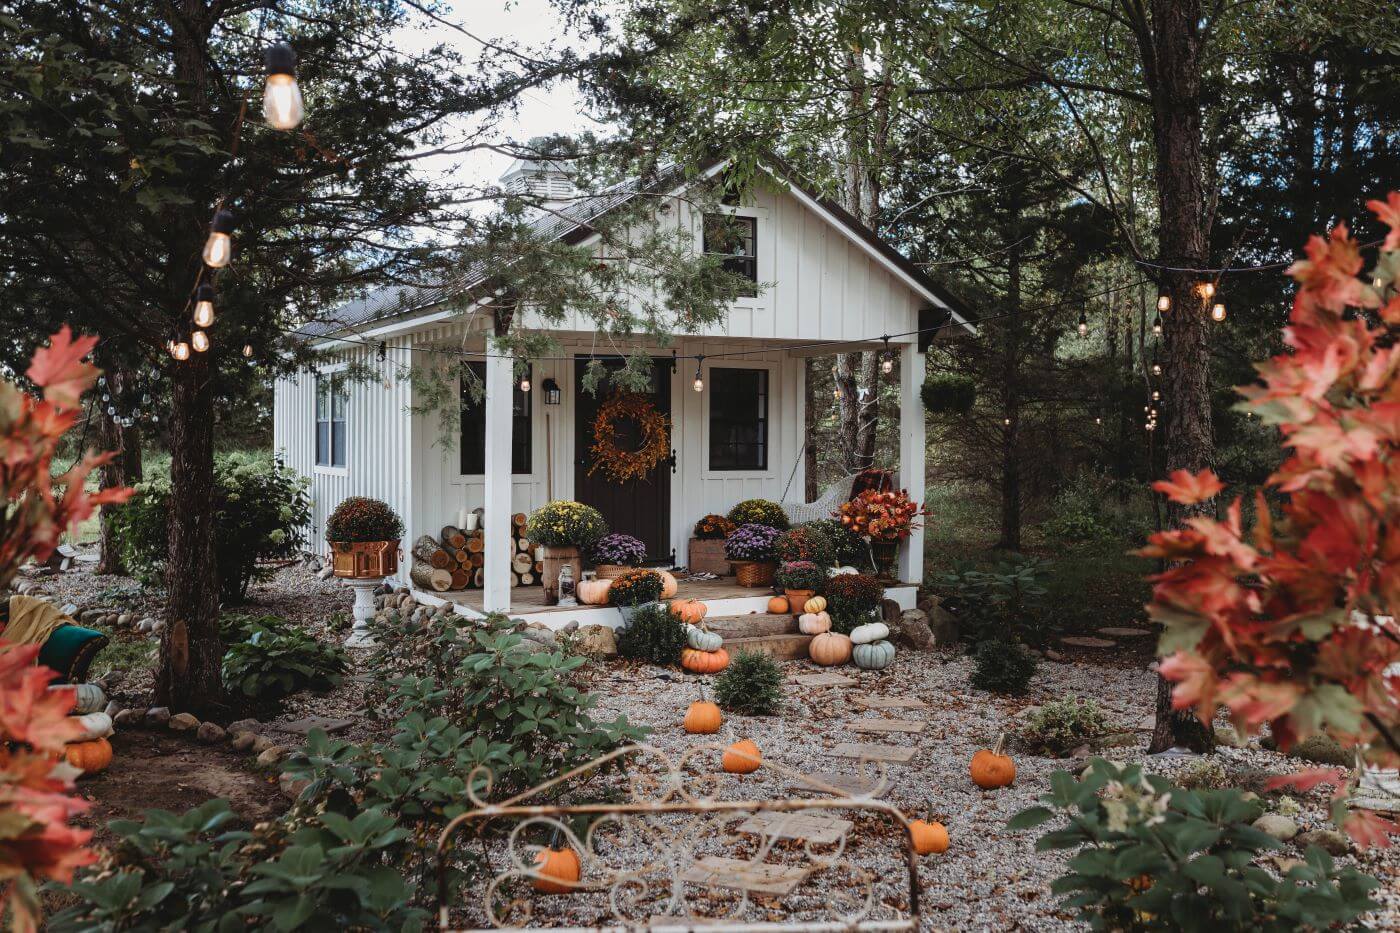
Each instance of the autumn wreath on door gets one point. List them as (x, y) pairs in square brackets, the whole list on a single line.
[(620, 465)]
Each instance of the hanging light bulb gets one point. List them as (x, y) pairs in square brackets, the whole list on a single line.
[(180, 350), (1156, 369), (204, 305), (836, 392), (1207, 289), (1007, 422), (1157, 326), (200, 341), (218, 249), (1098, 421), (248, 351), (525, 383), (1151, 425), (1217, 312), (1164, 302), (1083, 324), (887, 358), (699, 384), (281, 97)]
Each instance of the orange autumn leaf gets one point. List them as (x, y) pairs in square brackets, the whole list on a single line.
[(59, 369), (1188, 488), (1388, 211)]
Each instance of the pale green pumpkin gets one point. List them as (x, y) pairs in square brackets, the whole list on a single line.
[(873, 656)]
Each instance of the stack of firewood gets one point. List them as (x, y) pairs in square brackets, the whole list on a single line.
[(454, 560)]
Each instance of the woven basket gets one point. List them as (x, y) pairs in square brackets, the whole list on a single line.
[(754, 575), (610, 571)]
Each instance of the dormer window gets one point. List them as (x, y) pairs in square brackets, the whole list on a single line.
[(736, 239)]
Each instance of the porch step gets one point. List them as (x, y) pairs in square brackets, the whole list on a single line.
[(783, 647), (754, 624)]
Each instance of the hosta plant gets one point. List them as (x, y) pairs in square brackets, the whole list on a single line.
[(271, 661), (1290, 624)]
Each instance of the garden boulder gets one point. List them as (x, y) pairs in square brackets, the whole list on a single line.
[(596, 641)]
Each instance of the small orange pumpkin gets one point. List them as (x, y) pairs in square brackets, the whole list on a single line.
[(830, 648), (743, 757), (778, 605), (990, 768), (89, 757), (689, 611), (704, 662), (702, 717), (928, 836), (559, 870)]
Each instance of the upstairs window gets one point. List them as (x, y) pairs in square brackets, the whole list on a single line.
[(736, 239), (738, 419), (332, 399), (474, 427)]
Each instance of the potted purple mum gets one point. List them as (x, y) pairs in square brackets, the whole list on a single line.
[(750, 552), (615, 553)]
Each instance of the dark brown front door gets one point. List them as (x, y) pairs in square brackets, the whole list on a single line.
[(641, 508)]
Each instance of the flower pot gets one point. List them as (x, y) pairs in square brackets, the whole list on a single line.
[(610, 571), (798, 598), (752, 575), (883, 553), (707, 556), (555, 558), (629, 611), (360, 560)]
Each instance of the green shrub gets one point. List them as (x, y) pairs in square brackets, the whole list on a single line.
[(809, 542), (1155, 856), (360, 518), (800, 575), (1323, 750), (653, 635), (948, 394), (759, 512), (269, 664), (565, 523), (752, 684), (852, 599), (1002, 667), (850, 548), (1060, 726), (1006, 602), (635, 587), (261, 512)]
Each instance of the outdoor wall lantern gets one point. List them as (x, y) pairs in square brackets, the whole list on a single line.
[(551, 392)]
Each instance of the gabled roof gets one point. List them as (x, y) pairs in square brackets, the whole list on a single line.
[(571, 223)]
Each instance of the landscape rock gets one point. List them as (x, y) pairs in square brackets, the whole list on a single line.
[(157, 715), (210, 733), (1226, 734), (184, 722), (325, 573), (244, 725), (911, 630), (146, 626), (596, 641), (539, 632), (271, 755), (261, 744), (243, 741), (941, 623), (1329, 840), (1281, 827), (291, 787), (570, 627), (68, 609), (129, 717)]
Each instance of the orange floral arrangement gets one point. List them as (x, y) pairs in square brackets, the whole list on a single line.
[(713, 526), (881, 516), (621, 465)]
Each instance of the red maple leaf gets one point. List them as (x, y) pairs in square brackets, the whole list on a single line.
[(59, 368), (1187, 488), (1389, 213)]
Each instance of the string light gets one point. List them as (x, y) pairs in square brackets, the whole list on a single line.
[(1007, 422), (525, 383), (1207, 289), (282, 105), (887, 359), (180, 350), (1217, 312), (248, 351), (1164, 302), (1156, 369), (218, 249), (200, 341), (699, 384), (1156, 395), (1083, 324), (204, 305), (1157, 326)]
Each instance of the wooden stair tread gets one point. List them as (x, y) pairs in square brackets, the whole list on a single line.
[(747, 626), (784, 647)]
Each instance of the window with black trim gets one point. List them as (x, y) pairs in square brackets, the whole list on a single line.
[(474, 427), (736, 239), (332, 400), (738, 419)]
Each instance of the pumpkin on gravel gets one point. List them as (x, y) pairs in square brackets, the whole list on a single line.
[(991, 769), (743, 757), (704, 662)]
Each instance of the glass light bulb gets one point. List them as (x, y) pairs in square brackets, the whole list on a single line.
[(200, 341), (1156, 396), (218, 250), (1164, 302), (887, 366), (1217, 312), (698, 384), (1007, 422), (1207, 289), (282, 102), (181, 351), (1157, 328), (203, 313), (1156, 369), (1098, 421), (525, 384), (248, 350), (1083, 329)]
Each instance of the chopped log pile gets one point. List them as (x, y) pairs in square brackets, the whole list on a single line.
[(455, 558)]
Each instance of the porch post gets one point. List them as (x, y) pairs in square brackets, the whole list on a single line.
[(496, 518), (911, 452)]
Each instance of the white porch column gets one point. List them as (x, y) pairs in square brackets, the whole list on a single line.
[(911, 453), (496, 520)]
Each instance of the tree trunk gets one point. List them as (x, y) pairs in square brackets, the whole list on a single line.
[(187, 678), (123, 470)]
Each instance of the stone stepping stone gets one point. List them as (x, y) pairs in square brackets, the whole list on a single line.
[(849, 785), (869, 751), (879, 702), (324, 723), (908, 726), (718, 872), (825, 679), (1087, 641), (1114, 631), (804, 827)]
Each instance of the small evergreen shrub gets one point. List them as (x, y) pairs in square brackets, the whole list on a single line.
[(1207, 773), (360, 518), (759, 512), (852, 599), (1002, 667), (1061, 726), (752, 684), (1006, 602), (809, 542), (635, 588), (653, 635)]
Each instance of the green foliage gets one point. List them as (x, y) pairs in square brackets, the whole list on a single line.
[(800, 575), (266, 661), (1155, 856), (1060, 726), (1085, 509), (852, 599), (849, 548), (565, 523), (360, 518), (1002, 667), (752, 684), (948, 394), (261, 510), (759, 512), (1006, 602), (654, 635), (1324, 750), (635, 587), (809, 541)]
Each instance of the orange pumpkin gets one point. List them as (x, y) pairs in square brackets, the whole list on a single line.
[(990, 768), (559, 870), (702, 718), (830, 648), (778, 605), (669, 586), (928, 836), (89, 757), (743, 757), (593, 592), (815, 604), (689, 611), (704, 662)]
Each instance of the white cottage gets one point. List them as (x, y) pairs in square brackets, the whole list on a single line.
[(833, 286)]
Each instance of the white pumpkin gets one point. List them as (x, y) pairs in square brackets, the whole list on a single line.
[(702, 639), (870, 632), (89, 697), (873, 656), (813, 623), (94, 725)]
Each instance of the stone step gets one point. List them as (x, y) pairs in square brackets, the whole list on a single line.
[(750, 626), (783, 647)]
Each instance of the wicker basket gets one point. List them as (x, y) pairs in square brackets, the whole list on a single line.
[(754, 575), (610, 571)]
